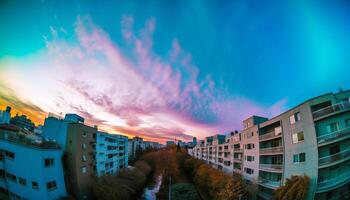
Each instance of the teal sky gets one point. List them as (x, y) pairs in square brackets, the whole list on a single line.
[(270, 55)]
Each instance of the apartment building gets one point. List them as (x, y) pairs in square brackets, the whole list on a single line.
[(30, 166), (111, 153), (87, 152), (312, 138), (5, 115)]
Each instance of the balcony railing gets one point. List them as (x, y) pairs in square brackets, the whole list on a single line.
[(270, 135), (340, 195), (334, 135), (238, 149), (272, 167), (270, 183), (278, 149), (331, 182), (331, 109), (237, 159), (334, 158)]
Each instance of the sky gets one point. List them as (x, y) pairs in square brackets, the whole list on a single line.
[(170, 69)]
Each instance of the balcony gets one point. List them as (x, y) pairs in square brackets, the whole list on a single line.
[(326, 184), (334, 136), (237, 159), (271, 167), (272, 150), (270, 135), (324, 112), (340, 195), (237, 149), (335, 158), (269, 183)]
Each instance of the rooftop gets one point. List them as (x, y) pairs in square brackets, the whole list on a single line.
[(15, 135)]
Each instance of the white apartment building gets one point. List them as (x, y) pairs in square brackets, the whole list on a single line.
[(312, 138)]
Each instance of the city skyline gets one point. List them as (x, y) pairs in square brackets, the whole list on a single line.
[(138, 70)]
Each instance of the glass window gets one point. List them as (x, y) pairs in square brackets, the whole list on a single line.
[(299, 158), (83, 158), (49, 162), (292, 119), (333, 127), (297, 137), (84, 169), (22, 181), (35, 185), (84, 134), (83, 146), (347, 122), (51, 185), (302, 157), (11, 177)]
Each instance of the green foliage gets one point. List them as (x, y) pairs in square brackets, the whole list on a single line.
[(184, 191), (295, 188)]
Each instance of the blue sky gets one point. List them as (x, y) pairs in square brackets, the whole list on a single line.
[(265, 56)]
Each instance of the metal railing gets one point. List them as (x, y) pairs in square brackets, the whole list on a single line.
[(331, 109), (334, 135), (334, 158), (238, 149), (270, 135), (268, 182), (271, 166), (327, 183), (278, 149)]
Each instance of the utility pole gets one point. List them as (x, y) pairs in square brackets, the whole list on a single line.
[(169, 187)]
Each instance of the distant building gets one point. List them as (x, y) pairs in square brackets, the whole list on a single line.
[(23, 122), (169, 143), (111, 153), (135, 144), (30, 167), (5, 115)]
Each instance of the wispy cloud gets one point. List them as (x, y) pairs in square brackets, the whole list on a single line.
[(128, 89)]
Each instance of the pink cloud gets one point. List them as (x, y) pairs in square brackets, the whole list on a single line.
[(146, 94)]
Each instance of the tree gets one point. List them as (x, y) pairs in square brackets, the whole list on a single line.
[(295, 188)]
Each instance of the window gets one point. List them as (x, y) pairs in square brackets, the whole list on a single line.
[(333, 127), (249, 158), (84, 170), (278, 130), (22, 181), (11, 177), (83, 146), (35, 185), (248, 170), (9, 154), (2, 173), (249, 146), (347, 122), (51, 185), (297, 137), (299, 158), (49, 162), (294, 118), (83, 158), (84, 134)]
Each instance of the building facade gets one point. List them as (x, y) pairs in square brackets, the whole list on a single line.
[(5, 115), (312, 138), (23, 122), (111, 153), (29, 168)]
